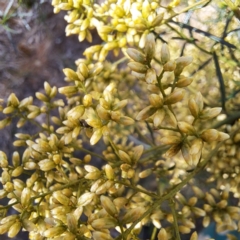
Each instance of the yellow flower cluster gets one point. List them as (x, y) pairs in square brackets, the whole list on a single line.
[(118, 23), (130, 145)]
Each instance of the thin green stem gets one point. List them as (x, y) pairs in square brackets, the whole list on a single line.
[(143, 136), (156, 148), (153, 195), (203, 2), (9, 205), (175, 220), (192, 41), (120, 60), (114, 147), (154, 233), (168, 128), (159, 78)]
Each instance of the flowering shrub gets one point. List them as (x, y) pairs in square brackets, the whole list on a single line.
[(165, 131)]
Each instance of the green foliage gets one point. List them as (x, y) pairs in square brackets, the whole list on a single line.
[(165, 129)]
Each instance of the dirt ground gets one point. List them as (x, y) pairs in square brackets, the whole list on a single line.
[(33, 49)]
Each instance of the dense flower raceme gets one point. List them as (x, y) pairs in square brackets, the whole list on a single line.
[(149, 136), (118, 23)]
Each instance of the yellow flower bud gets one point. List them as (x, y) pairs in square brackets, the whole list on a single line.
[(96, 136), (5, 177), (110, 45), (30, 165), (222, 204), (105, 104), (41, 97), (181, 62), (145, 113), (196, 145), (132, 214), (186, 128), (104, 52), (185, 149), (109, 172), (222, 136), (137, 153), (210, 199), (46, 165), (13, 100), (169, 66), (130, 173), (210, 113), (158, 117), (84, 24), (184, 229), (156, 101), (8, 187), (9, 110), (101, 235), (146, 9), (54, 232), (193, 107), (29, 225), (109, 206), (158, 19), (124, 120), (174, 97), (61, 198), (121, 27), (184, 81), (14, 229), (124, 157), (5, 122), (150, 46), (16, 157), (138, 67), (93, 175), (3, 160), (69, 90), (17, 171), (119, 105), (171, 140), (209, 135), (76, 112), (165, 54), (145, 173), (57, 158), (6, 226), (25, 197), (206, 221), (136, 55), (86, 198), (70, 74), (103, 113), (151, 76), (72, 223), (162, 235), (198, 211), (104, 187), (87, 100)]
